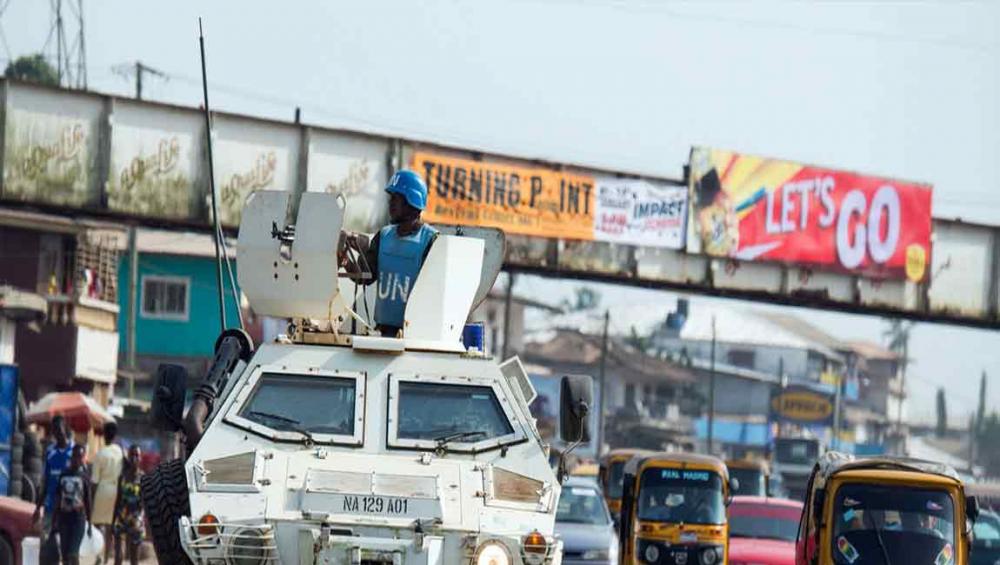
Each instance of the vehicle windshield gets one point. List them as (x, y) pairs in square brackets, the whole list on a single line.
[(796, 451), (751, 482), (681, 496), (767, 521), (616, 477), (432, 411), (910, 525), (582, 505), (296, 403)]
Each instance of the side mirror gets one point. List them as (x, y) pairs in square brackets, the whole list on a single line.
[(972, 508), (734, 487), (575, 400), (169, 389)]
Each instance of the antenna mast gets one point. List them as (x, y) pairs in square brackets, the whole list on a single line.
[(211, 183)]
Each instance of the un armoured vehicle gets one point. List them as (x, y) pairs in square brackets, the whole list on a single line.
[(332, 446)]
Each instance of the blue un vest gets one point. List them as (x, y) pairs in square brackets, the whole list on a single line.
[(399, 262)]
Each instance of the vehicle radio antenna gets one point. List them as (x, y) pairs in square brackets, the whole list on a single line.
[(211, 183)]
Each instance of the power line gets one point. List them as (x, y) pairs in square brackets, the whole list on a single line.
[(666, 9)]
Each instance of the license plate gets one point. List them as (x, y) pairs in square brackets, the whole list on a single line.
[(375, 505)]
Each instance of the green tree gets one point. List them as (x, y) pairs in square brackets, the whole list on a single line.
[(33, 68), (942, 413)]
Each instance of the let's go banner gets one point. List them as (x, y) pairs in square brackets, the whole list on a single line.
[(752, 208), (543, 202)]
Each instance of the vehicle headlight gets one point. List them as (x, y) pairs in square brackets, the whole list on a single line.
[(248, 546), (492, 553), (652, 553), (710, 556)]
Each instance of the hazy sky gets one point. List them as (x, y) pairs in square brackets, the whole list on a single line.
[(908, 90)]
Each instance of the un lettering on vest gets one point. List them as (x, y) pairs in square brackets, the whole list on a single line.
[(394, 287)]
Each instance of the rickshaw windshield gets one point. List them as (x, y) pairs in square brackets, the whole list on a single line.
[(616, 472), (905, 524), (681, 496), (752, 482)]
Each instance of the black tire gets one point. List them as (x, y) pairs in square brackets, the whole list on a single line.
[(16, 439), (6, 551), (17, 456), (29, 491), (165, 500)]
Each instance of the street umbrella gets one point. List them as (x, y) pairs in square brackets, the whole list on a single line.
[(81, 411)]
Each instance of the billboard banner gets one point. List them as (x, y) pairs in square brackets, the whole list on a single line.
[(517, 199), (799, 404), (751, 208), (544, 202), (639, 212)]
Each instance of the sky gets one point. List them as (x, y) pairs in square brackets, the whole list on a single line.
[(907, 90)]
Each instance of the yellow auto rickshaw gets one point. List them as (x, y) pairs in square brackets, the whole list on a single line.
[(884, 510), (674, 510), (611, 474), (753, 476)]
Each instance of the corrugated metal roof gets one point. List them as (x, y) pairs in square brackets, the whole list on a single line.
[(871, 350), (570, 346), (754, 328), (180, 243)]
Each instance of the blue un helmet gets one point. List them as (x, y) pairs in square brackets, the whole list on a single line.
[(411, 186)]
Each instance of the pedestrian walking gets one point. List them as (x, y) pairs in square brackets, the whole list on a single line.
[(129, 525), (72, 507), (107, 470), (57, 458)]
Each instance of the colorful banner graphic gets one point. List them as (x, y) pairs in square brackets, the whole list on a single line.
[(751, 208), (542, 202), (639, 212)]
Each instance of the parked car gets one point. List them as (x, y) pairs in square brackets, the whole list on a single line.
[(584, 524), (986, 540), (15, 524), (762, 530)]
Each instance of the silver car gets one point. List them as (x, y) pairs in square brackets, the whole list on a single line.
[(584, 524)]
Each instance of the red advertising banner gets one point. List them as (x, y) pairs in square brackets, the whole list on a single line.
[(756, 209)]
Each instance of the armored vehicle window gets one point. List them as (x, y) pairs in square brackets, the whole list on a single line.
[(311, 404), (429, 411)]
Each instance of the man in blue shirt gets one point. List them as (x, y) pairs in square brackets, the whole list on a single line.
[(57, 459), (396, 254)]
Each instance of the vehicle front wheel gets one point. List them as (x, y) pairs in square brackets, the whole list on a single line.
[(165, 500)]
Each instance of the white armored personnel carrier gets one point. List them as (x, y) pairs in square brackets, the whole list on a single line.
[(339, 446)]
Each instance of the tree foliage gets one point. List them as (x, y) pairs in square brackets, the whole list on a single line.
[(33, 68)]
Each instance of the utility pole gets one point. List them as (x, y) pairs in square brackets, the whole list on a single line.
[(133, 283), (139, 69), (711, 395), (506, 315), (838, 380), (902, 395), (600, 382)]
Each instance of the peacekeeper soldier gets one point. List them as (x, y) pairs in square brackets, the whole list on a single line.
[(394, 256)]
